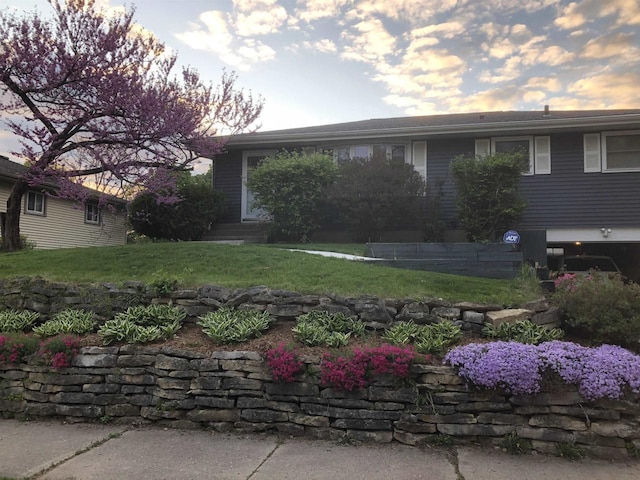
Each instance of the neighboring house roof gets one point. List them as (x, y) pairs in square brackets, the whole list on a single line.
[(446, 125), (12, 170)]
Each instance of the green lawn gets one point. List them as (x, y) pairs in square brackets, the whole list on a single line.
[(249, 265)]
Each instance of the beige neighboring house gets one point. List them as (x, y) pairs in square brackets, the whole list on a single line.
[(50, 222)]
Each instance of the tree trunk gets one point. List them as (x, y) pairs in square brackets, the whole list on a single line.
[(11, 235)]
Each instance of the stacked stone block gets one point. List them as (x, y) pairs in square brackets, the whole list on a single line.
[(233, 391)]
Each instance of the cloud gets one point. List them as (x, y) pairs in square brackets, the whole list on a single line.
[(611, 89), (324, 46), (611, 46), (368, 41), (258, 17), (571, 17), (216, 33), (311, 10)]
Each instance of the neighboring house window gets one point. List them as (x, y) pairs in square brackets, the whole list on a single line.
[(621, 151), (536, 149), (92, 213), (34, 203)]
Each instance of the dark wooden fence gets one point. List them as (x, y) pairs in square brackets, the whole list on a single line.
[(493, 260)]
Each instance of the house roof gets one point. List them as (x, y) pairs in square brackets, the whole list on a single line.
[(12, 170), (448, 125)]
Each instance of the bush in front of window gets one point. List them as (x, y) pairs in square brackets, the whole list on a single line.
[(291, 187), (376, 194), (487, 200)]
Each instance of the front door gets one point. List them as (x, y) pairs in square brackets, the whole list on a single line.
[(250, 161)]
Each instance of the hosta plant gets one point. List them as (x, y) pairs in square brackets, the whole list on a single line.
[(227, 325), (17, 321), (69, 321), (330, 329), (522, 331), (433, 338), (143, 324)]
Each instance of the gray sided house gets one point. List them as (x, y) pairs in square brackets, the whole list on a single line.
[(582, 187), (50, 222)]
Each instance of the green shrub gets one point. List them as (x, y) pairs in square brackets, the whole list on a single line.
[(377, 194), (291, 187), (190, 218), (601, 307), (143, 324), (433, 338), (487, 199), (331, 329), (17, 321), (227, 325), (68, 321), (522, 331)]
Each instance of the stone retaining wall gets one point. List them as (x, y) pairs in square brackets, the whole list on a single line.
[(233, 391), (106, 299)]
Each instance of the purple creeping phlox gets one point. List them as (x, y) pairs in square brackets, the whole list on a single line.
[(512, 366), (284, 363), (607, 371)]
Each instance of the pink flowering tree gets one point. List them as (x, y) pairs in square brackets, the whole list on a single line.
[(92, 98)]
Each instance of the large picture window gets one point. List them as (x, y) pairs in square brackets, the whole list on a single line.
[(34, 203), (344, 153)]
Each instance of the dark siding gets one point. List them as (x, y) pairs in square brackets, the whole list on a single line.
[(227, 178), (570, 198), (439, 155)]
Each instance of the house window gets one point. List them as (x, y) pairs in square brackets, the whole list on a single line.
[(92, 213), (522, 145), (621, 151), (343, 154), (536, 149), (34, 203)]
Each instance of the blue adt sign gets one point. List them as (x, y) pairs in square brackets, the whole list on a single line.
[(511, 237)]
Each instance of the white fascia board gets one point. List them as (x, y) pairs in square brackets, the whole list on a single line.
[(530, 126), (593, 235)]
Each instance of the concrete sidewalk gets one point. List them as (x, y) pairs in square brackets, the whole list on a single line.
[(49, 450)]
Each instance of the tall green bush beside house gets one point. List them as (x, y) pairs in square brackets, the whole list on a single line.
[(291, 187), (196, 208), (487, 200)]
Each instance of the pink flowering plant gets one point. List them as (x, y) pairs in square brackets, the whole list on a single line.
[(607, 371), (16, 348), (59, 351), (353, 372), (285, 363)]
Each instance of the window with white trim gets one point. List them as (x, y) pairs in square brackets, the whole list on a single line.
[(621, 151), (92, 214), (536, 149), (344, 153), (34, 203)]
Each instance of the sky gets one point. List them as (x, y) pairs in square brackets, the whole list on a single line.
[(318, 62)]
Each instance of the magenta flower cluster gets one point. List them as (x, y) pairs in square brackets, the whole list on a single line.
[(59, 351), (284, 363), (353, 372), (607, 371), (12, 351)]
